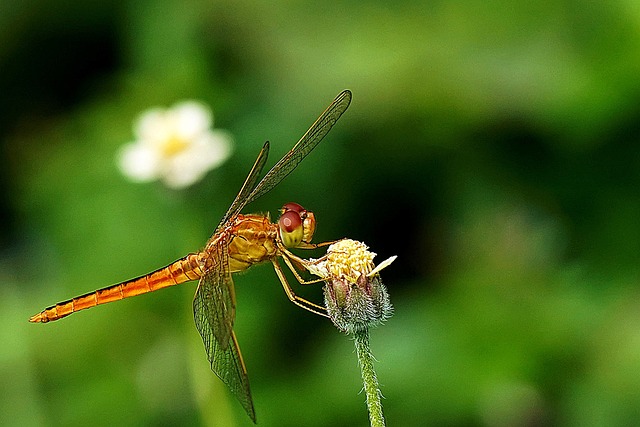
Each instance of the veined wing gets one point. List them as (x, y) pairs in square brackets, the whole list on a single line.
[(247, 187), (214, 314), (214, 303), (318, 130), (226, 362), (215, 299)]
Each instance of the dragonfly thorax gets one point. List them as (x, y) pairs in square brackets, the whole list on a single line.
[(252, 240)]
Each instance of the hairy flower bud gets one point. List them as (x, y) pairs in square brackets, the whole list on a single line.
[(355, 297)]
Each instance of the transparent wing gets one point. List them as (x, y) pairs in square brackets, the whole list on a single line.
[(214, 314), (249, 184), (215, 300), (214, 303), (318, 130)]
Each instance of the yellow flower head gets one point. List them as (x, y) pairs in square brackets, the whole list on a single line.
[(355, 296)]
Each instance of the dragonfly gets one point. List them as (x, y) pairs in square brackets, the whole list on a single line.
[(238, 242)]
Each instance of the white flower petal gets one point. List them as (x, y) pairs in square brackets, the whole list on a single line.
[(190, 118), (384, 264), (180, 180), (182, 171), (139, 162), (213, 149), (152, 127)]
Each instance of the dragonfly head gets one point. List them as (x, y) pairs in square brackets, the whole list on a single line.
[(297, 225)]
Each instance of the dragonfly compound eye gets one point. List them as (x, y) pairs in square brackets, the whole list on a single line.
[(291, 230), (292, 206), (307, 218)]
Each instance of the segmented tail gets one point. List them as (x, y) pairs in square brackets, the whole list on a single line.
[(183, 270)]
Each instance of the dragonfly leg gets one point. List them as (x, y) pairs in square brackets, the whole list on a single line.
[(305, 245), (288, 257), (291, 258), (299, 301)]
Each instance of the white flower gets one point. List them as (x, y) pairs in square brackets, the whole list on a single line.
[(175, 145)]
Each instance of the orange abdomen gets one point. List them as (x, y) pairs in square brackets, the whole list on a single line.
[(180, 271)]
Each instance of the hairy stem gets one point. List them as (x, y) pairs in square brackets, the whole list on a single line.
[(371, 387)]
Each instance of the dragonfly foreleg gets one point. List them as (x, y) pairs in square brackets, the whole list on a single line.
[(288, 257), (305, 245), (299, 301)]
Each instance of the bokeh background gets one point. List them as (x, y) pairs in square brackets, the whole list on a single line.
[(494, 146)]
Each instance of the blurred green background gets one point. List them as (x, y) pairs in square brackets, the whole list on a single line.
[(493, 146)]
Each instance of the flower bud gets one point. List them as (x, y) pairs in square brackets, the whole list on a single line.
[(355, 297)]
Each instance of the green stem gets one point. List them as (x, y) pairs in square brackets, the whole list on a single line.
[(371, 387)]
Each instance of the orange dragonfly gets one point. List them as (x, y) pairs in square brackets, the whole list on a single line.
[(238, 242)]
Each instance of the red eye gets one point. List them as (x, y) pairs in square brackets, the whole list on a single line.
[(291, 229), (294, 207), (290, 221)]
